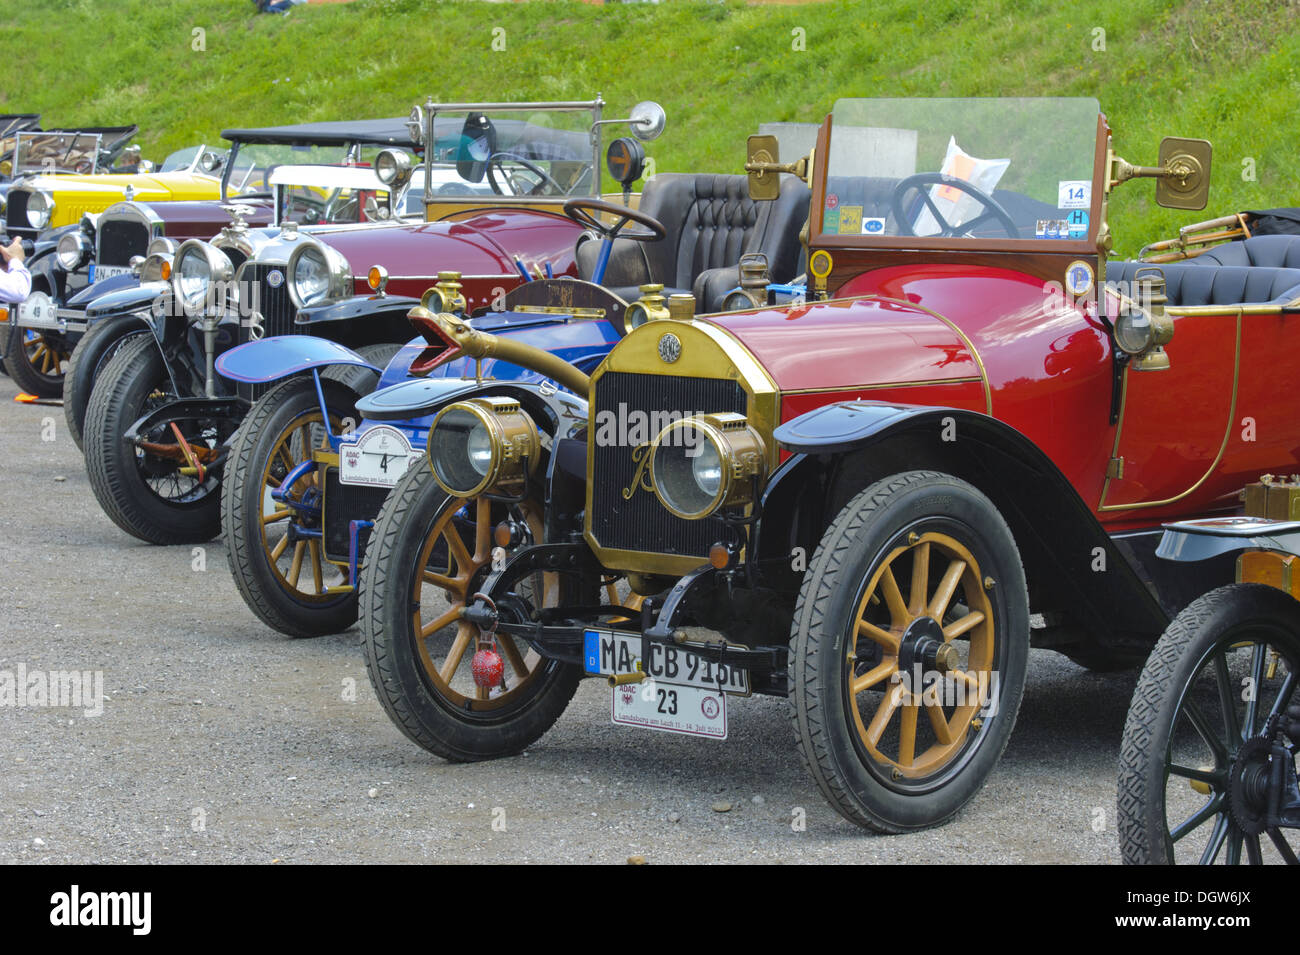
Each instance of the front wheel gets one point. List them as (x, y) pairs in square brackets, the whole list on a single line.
[(427, 556), (909, 650), (36, 360), (91, 356), (159, 491), (1195, 769)]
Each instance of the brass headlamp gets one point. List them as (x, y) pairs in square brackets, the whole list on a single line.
[(487, 444), (703, 463), (649, 307), (446, 296)]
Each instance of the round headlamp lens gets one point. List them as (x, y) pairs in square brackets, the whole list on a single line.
[(687, 471), (194, 274), (460, 450), (706, 469), (1133, 330), (38, 210), (311, 278), (71, 251)]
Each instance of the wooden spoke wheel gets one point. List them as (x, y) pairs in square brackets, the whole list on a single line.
[(428, 556), (36, 361), (908, 651), (1195, 775)]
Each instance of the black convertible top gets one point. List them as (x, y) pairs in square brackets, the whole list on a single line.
[(382, 132), (11, 123)]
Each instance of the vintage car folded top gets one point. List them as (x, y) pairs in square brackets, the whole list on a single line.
[(856, 500)]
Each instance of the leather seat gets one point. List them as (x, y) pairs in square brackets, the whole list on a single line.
[(1269, 251), (1209, 283), (711, 222)]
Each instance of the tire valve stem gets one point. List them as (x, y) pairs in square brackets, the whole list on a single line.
[(989, 583), (976, 724), (897, 774)]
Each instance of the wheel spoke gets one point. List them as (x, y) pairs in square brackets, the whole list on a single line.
[(1283, 847), (939, 723), (276, 515), (947, 587), (874, 676), (511, 653), (885, 638), (1283, 695), (1202, 727), (483, 530), (278, 549), (442, 621), (1235, 839), (295, 569), (443, 581), (1225, 696), (962, 624), (1196, 819), (898, 614), (1257, 681), (907, 734), (1253, 854), (920, 578), (464, 563), (1200, 775), (1217, 838), (457, 652), (884, 713)]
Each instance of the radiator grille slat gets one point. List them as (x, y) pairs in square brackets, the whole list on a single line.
[(120, 239), (16, 215), (277, 309), (345, 503), (641, 523)]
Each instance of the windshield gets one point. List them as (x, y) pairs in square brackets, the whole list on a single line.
[(186, 160), (512, 153), (47, 153), (961, 168), (246, 174)]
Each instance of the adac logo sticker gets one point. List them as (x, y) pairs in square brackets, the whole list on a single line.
[(275, 278)]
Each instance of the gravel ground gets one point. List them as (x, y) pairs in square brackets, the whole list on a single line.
[(221, 741)]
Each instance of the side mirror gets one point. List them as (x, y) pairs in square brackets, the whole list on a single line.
[(762, 162), (647, 120), (1187, 184)]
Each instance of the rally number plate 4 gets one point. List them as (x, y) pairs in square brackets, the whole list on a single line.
[(378, 457)]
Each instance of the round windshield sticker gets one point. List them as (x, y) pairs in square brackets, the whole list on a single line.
[(1077, 223), (832, 201), (1078, 279), (275, 278)]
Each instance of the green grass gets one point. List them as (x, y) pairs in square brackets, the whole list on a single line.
[(1223, 71)]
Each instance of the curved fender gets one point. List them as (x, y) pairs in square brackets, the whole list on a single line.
[(422, 397), (282, 355), (1058, 534), (116, 297)]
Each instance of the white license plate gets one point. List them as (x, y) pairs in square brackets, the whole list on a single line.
[(671, 708), (378, 458), (607, 652), (109, 271)]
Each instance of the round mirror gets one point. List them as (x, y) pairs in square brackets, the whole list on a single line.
[(647, 120)]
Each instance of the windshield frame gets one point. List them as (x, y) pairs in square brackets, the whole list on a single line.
[(974, 245), (25, 136)]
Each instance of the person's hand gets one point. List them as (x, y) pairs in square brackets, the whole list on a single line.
[(12, 251)]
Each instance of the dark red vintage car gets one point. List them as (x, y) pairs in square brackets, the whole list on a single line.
[(961, 444)]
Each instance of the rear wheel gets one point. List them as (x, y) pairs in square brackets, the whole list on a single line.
[(1194, 764), (36, 360), (159, 492), (909, 650), (89, 358), (427, 556)]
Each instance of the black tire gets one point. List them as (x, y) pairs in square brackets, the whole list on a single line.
[(36, 364), (430, 710), (257, 550), (92, 354), (1191, 671), (120, 476), (908, 513)]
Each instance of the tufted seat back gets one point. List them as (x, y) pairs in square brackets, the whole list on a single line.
[(1269, 251), (711, 222), (1209, 283)]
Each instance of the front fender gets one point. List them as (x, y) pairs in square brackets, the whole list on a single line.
[(840, 449), (118, 296), (271, 359), (561, 413), (357, 307)]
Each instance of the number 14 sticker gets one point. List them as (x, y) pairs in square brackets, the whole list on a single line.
[(1073, 194)]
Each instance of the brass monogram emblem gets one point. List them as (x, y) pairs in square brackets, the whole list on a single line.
[(641, 479)]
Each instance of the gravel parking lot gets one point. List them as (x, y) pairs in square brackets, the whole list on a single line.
[(221, 741)]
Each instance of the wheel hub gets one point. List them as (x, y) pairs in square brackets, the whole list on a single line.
[(1248, 786), (923, 645)]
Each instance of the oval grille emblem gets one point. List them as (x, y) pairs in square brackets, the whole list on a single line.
[(670, 348), (275, 278)]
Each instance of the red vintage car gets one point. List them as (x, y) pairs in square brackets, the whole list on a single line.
[(959, 445)]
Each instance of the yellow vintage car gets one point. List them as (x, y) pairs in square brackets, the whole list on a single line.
[(61, 175)]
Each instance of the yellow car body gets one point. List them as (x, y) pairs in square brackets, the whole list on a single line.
[(69, 196)]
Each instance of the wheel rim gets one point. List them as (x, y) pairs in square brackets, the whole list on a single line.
[(924, 611), (44, 357), (172, 459), (1210, 748), (298, 563), (449, 574)]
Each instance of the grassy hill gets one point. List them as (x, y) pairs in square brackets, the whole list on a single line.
[(1224, 71)]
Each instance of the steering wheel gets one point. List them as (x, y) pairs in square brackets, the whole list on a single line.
[(919, 183), (580, 210), (498, 160)]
